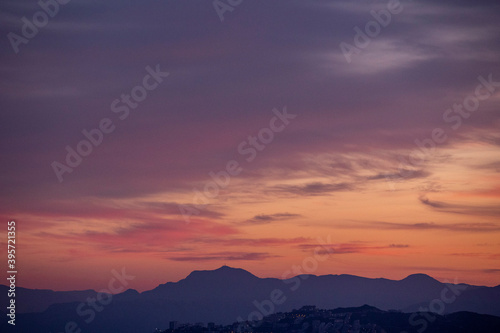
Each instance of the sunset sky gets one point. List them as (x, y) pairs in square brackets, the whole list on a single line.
[(323, 142)]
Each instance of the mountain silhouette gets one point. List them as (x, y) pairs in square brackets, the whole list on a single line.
[(226, 295), (224, 273), (38, 300)]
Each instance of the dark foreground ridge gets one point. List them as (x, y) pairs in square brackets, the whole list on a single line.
[(227, 295), (364, 319)]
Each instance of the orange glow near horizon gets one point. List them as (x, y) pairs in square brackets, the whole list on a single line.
[(443, 226)]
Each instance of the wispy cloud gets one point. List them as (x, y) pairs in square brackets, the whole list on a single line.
[(485, 255), (492, 271), (495, 166), (352, 247), (236, 241), (268, 218), (456, 227), (145, 236), (477, 210), (399, 246), (411, 174), (205, 211), (229, 256), (313, 189)]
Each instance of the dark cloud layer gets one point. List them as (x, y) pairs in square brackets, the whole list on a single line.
[(477, 210), (350, 248), (316, 188), (456, 227), (268, 218), (225, 78)]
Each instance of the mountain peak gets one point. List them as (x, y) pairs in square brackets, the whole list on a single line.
[(127, 294), (130, 292), (420, 278), (225, 268), (223, 272)]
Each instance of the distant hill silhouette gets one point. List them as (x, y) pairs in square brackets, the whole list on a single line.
[(225, 294), (38, 300)]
